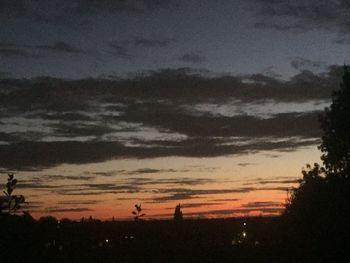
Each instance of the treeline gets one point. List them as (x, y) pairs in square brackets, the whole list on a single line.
[(47, 239)]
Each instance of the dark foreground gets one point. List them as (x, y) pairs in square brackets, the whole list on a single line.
[(23, 239)]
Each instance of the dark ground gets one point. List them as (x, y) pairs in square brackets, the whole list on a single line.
[(214, 240)]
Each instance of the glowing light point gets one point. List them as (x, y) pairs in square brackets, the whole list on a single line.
[(244, 234)]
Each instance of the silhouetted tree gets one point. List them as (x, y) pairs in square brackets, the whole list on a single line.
[(318, 180), (317, 211), (138, 212), (304, 201), (10, 203), (178, 213), (335, 123)]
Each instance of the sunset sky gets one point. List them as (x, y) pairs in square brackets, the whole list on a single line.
[(210, 104)]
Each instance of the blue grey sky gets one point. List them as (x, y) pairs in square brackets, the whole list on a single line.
[(79, 39)]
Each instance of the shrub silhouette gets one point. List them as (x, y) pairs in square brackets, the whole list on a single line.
[(138, 212), (10, 203)]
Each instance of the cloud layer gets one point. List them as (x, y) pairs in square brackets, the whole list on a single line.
[(304, 15), (181, 112)]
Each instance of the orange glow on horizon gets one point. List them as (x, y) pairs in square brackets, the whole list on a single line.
[(246, 185)]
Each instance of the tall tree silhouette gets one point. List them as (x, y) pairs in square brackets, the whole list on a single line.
[(335, 123), (317, 211)]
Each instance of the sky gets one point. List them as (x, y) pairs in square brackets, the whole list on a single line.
[(211, 104)]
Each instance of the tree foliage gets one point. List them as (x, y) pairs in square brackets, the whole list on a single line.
[(317, 210), (335, 123)]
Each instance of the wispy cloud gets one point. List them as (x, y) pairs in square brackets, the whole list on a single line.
[(262, 204), (61, 210), (60, 47), (120, 50), (14, 52), (151, 42), (300, 63), (246, 164), (170, 194), (194, 205), (280, 181)]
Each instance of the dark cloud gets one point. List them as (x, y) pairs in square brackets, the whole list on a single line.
[(246, 164), (37, 186), (194, 205), (79, 202), (145, 171), (6, 137), (173, 197), (176, 181), (343, 39), (304, 15), (192, 57), (120, 50), (107, 174), (300, 63), (279, 181), (178, 194), (133, 6), (184, 194), (151, 42), (226, 200), (153, 171), (262, 204), (67, 177), (68, 12), (284, 124), (11, 49), (278, 27), (79, 129), (47, 121), (14, 52), (62, 210), (60, 47), (97, 189), (44, 154)]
